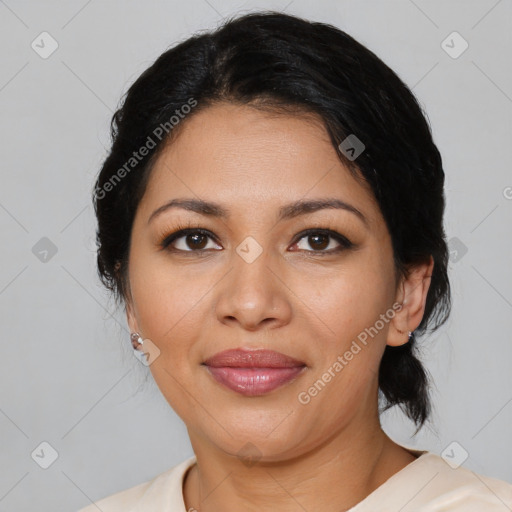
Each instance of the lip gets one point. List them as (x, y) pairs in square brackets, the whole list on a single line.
[(253, 372)]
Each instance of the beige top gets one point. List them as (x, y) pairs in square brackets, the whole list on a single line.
[(427, 484)]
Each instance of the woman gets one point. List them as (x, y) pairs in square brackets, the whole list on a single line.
[(271, 217)]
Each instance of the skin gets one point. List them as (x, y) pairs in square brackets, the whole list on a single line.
[(328, 454)]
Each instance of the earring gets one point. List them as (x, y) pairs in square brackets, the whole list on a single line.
[(136, 340), (409, 334)]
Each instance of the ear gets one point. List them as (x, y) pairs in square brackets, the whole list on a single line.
[(130, 317), (412, 295)]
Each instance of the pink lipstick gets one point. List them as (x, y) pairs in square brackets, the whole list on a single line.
[(253, 372)]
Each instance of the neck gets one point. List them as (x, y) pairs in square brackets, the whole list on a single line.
[(333, 477)]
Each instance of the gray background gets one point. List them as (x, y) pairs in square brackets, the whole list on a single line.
[(67, 375)]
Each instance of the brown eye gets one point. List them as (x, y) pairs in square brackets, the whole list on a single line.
[(196, 240), (189, 240), (318, 242), (322, 241)]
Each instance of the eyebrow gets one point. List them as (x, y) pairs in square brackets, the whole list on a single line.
[(289, 211)]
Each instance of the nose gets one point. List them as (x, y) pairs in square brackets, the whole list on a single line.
[(253, 295)]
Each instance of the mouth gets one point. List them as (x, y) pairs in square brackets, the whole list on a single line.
[(253, 372)]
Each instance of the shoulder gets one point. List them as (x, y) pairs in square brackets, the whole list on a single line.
[(430, 484), (461, 489), (156, 494)]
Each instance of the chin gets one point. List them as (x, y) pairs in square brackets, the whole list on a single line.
[(263, 437)]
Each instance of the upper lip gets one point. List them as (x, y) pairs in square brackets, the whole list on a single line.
[(257, 358)]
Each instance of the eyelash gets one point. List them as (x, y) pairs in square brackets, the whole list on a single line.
[(181, 231)]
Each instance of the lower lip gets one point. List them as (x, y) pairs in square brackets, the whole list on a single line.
[(254, 381)]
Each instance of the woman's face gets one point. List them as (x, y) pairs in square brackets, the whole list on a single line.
[(255, 279)]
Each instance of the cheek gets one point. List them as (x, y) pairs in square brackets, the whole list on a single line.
[(351, 298), (168, 309), (167, 301)]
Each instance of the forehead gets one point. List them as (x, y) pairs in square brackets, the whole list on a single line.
[(250, 159)]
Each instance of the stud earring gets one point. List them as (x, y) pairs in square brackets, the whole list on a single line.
[(137, 340), (409, 334)]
